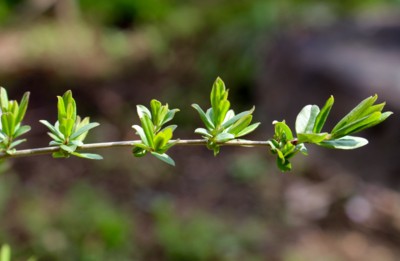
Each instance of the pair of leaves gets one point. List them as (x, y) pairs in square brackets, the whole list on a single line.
[(69, 131), (155, 139), (12, 115), (221, 123)]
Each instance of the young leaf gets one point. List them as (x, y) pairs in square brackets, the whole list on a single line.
[(355, 113), (148, 129), (155, 111), (159, 141), (323, 115), (203, 132), (16, 143), (240, 124), (209, 124), (138, 151), (142, 110), (3, 99), (357, 125), (170, 115), (5, 124), (247, 130), (344, 143), (306, 119), (237, 117), (91, 156), (141, 133), (68, 148), (21, 130), (53, 129), (311, 137), (23, 107), (164, 157), (83, 129), (223, 137)]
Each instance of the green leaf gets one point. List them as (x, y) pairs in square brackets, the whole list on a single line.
[(142, 110), (302, 148), (223, 110), (148, 129), (170, 115), (223, 137), (61, 109), (3, 99), (357, 125), (53, 129), (77, 143), (164, 157), (306, 119), (383, 117), (355, 113), (59, 154), (159, 141), (23, 107), (217, 94), (155, 111), (283, 164), (203, 132), (237, 117), (282, 131), (311, 137), (323, 115), (248, 130), (172, 127), (5, 251), (91, 156), (22, 130), (140, 132), (55, 142), (344, 143), (139, 152), (207, 122), (83, 130), (5, 124), (68, 148), (240, 125), (16, 143)]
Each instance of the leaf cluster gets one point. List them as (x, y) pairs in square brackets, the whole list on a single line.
[(69, 131), (12, 115), (155, 138), (221, 123), (310, 122)]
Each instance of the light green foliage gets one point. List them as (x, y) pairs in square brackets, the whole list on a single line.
[(69, 131), (156, 139), (5, 253), (311, 120), (12, 115), (221, 123)]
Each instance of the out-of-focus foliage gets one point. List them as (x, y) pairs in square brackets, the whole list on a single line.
[(84, 225)]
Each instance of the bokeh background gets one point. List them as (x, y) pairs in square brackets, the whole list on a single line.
[(278, 55)]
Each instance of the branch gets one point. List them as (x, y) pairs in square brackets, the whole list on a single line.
[(113, 144)]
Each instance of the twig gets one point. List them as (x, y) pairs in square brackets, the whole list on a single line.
[(104, 145)]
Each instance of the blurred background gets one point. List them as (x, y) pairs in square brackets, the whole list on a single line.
[(278, 55)]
